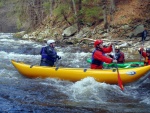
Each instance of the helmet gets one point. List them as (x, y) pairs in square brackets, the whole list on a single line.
[(147, 50), (50, 41), (97, 42), (117, 47)]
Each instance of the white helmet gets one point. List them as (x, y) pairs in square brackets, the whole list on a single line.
[(50, 41), (117, 47)]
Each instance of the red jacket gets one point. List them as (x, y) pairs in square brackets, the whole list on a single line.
[(99, 57), (147, 58)]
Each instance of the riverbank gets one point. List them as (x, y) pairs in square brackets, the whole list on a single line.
[(19, 94)]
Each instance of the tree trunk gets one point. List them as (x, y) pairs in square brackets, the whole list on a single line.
[(105, 14), (80, 4), (112, 9), (39, 7), (75, 11), (32, 16), (52, 3), (74, 7)]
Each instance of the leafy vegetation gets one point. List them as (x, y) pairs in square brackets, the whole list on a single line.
[(83, 12), (1, 4), (46, 6), (91, 14)]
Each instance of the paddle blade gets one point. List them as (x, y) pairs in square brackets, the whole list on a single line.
[(120, 82)]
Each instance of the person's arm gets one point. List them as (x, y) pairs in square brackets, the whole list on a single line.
[(143, 54), (99, 56), (108, 49), (42, 49), (58, 57), (141, 51), (123, 57)]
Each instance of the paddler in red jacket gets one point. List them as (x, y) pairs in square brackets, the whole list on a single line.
[(98, 56), (146, 55)]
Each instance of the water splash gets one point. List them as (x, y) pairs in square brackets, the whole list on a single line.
[(89, 89)]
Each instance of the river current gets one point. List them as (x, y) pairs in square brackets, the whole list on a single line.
[(19, 94)]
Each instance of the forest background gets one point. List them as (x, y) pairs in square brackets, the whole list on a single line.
[(51, 17)]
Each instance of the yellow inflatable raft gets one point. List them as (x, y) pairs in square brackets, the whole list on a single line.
[(76, 74)]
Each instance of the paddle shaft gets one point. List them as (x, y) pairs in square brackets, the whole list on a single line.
[(119, 78), (57, 63)]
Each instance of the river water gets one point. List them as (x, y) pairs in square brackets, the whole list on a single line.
[(19, 94)]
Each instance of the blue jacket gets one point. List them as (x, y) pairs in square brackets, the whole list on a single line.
[(48, 53)]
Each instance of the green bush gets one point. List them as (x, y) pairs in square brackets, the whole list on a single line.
[(46, 6), (91, 14)]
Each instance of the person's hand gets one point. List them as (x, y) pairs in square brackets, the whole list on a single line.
[(114, 61), (108, 54), (58, 57)]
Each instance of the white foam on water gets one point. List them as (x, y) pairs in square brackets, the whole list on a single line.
[(88, 89)]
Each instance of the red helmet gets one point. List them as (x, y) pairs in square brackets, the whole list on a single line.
[(97, 42)]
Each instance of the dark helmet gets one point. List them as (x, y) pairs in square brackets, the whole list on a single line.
[(147, 50), (97, 42)]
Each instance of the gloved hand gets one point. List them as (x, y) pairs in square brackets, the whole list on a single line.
[(114, 61), (58, 57), (108, 54)]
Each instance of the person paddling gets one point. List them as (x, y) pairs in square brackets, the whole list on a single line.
[(119, 55), (145, 54), (49, 54), (98, 56)]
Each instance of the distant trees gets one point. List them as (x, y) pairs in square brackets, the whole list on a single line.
[(108, 11), (72, 11), (112, 9), (75, 11), (35, 12), (105, 13), (52, 3)]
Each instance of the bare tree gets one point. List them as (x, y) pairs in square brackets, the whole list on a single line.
[(80, 4), (35, 12), (105, 13), (77, 16), (39, 10), (112, 9), (52, 3), (74, 7)]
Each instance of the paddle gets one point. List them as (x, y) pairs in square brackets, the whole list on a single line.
[(119, 78), (33, 65), (57, 63)]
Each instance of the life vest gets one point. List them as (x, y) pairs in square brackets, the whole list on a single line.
[(43, 53), (46, 55), (120, 58), (147, 60), (95, 61)]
